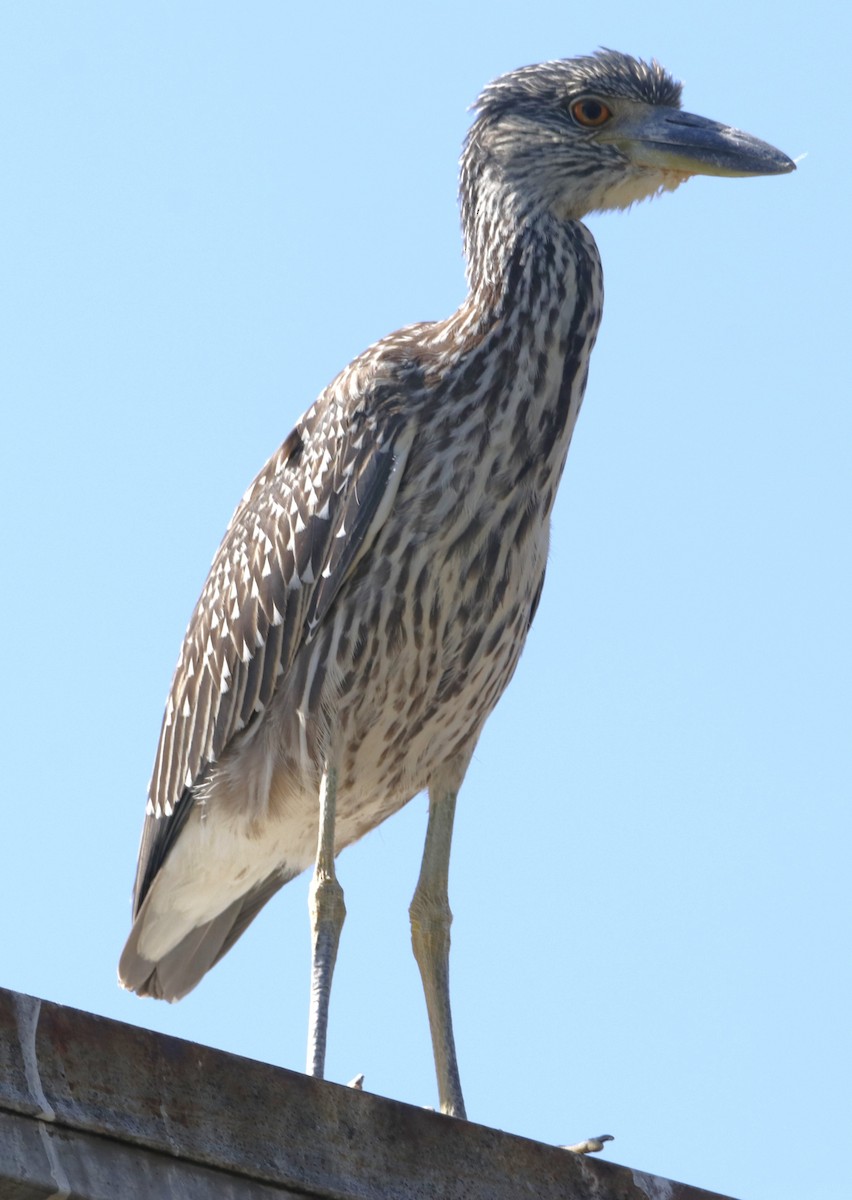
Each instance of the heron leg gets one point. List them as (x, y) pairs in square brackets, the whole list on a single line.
[(430, 938), (325, 903)]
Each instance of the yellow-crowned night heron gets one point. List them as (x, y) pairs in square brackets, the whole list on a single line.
[(375, 587)]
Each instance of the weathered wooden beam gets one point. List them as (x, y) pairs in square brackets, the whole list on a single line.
[(96, 1109)]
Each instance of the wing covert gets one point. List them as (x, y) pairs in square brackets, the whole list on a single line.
[(292, 542)]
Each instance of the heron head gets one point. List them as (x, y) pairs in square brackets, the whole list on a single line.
[(599, 132)]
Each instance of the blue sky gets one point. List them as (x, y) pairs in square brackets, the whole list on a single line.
[(206, 211)]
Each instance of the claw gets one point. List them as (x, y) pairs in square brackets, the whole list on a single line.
[(591, 1145)]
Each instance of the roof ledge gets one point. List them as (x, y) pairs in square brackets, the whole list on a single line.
[(91, 1108)]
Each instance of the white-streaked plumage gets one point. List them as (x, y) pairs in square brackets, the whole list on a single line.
[(373, 592)]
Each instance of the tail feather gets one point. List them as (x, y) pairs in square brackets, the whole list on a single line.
[(183, 966)]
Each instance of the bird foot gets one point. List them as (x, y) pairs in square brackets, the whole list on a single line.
[(590, 1145), (357, 1083)]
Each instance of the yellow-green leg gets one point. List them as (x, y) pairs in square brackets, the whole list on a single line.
[(325, 903), (430, 937)]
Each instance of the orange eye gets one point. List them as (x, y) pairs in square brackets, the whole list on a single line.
[(590, 112)]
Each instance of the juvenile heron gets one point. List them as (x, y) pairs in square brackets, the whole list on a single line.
[(375, 587)]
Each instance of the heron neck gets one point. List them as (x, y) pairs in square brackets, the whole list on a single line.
[(525, 261)]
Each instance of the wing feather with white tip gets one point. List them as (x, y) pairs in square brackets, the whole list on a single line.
[(293, 541)]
